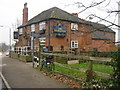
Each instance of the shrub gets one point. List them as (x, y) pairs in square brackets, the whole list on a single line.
[(116, 71), (29, 58), (90, 75), (61, 60)]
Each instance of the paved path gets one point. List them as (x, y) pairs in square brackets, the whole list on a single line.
[(20, 75)]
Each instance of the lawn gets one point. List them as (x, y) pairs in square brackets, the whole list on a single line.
[(96, 67), (70, 72)]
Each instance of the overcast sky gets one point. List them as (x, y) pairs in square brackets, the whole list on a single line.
[(11, 11)]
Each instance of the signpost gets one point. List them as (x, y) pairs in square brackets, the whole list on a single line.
[(32, 45)]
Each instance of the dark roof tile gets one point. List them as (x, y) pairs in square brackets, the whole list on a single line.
[(99, 36), (53, 13)]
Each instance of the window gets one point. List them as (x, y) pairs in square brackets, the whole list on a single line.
[(74, 44), (74, 26), (42, 41), (20, 31), (33, 28), (42, 26)]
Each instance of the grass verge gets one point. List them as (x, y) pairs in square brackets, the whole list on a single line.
[(96, 67)]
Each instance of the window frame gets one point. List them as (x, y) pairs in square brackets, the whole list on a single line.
[(75, 26), (74, 43), (20, 31), (42, 26), (33, 28)]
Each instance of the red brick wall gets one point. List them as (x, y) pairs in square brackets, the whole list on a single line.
[(110, 35), (82, 35), (103, 45), (57, 42), (25, 14)]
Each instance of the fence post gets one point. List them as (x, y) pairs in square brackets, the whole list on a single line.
[(89, 72), (90, 65)]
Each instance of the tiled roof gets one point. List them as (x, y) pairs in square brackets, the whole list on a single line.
[(96, 30), (99, 36), (53, 13), (100, 27)]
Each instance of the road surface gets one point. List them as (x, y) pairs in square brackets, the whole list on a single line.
[(21, 75)]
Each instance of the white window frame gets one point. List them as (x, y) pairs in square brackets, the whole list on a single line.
[(74, 26), (74, 44), (42, 41), (33, 28), (21, 31), (42, 25)]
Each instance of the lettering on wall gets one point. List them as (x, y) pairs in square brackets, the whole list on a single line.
[(60, 30)]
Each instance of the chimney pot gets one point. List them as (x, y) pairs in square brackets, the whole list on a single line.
[(25, 5), (75, 14)]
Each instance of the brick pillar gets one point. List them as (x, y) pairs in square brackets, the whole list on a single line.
[(25, 14)]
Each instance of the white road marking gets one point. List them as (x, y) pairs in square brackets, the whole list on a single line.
[(6, 83)]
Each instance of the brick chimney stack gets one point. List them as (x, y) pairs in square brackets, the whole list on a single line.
[(75, 14), (25, 14)]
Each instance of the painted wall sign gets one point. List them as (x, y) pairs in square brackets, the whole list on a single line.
[(60, 30)]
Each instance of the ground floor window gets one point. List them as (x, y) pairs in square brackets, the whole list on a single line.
[(74, 44)]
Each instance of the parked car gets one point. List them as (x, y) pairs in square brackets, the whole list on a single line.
[(7, 54)]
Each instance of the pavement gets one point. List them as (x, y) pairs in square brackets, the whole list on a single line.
[(21, 75)]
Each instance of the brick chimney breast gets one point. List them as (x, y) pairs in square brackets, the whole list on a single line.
[(25, 14)]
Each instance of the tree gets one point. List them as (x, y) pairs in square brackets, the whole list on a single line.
[(104, 14), (3, 47)]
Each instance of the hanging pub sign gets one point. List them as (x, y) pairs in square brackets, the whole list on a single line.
[(15, 35), (60, 30)]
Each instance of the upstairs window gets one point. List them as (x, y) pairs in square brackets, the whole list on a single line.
[(33, 28), (74, 44), (20, 31), (42, 26), (74, 26)]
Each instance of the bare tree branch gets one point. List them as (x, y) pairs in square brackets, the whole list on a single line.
[(92, 5), (105, 20)]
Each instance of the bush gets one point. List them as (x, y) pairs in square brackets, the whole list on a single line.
[(28, 58), (116, 71), (61, 60), (90, 75)]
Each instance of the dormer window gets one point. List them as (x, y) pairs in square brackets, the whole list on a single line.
[(20, 31), (74, 26), (33, 28)]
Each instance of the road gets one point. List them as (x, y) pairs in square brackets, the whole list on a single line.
[(2, 85), (21, 75)]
